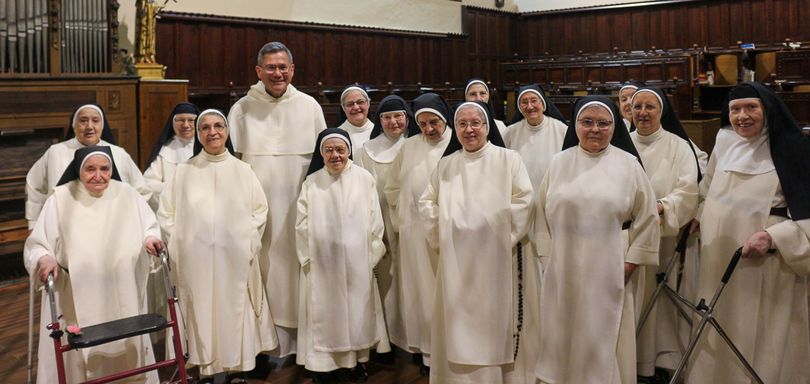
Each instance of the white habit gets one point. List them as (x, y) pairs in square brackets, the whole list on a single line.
[(276, 137), (763, 309), (587, 334), (45, 173), (414, 268), (536, 146), (476, 208), (358, 135), (670, 165), (213, 213), (340, 239), (100, 240), (176, 151)]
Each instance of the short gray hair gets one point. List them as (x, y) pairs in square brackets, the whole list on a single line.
[(273, 47)]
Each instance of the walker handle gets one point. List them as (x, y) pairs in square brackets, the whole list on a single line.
[(731, 265), (51, 289), (681, 247)]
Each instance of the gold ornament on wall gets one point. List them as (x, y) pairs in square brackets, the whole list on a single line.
[(146, 15)]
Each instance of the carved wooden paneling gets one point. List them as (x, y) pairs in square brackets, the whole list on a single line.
[(715, 23), (157, 99), (215, 52)]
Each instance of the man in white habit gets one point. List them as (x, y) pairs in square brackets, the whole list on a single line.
[(476, 208), (755, 193), (93, 235), (273, 128), (339, 234), (353, 115), (88, 128), (593, 190), (213, 212), (415, 267)]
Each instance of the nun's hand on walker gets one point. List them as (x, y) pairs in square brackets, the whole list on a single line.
[(45, 266), (153, 245), (757, 245), (694, 226)]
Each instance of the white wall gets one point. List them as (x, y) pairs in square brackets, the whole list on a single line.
[(547, 5)]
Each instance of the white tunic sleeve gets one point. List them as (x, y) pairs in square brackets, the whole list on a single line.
[(258, 215), (149, 222), (166, 209), (429, 210), (391, 190), (680, 203), (705, 183), (521, 203), (302, 227), (541, 235), (376, 227), (36, 190), (44, 238), (792, 239), (132, 175), (155, 181), (644, 232)]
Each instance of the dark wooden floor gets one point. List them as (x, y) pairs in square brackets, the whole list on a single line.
[(14, 345)]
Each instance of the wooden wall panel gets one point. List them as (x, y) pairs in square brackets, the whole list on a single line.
[(217, 54), (711, 23)]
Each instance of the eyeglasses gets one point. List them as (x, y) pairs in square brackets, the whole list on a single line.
[(359, 103), (270, 68), (189, 120), (435, 123), (219, 127), (474, 124), (589, 123), (399, 116), (338, 150)]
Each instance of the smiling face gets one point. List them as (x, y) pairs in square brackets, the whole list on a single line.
[(747, 116), (95, 174), (594, 128), (213, 133), (431, 125), (532, 107), (183, 124), (625, 102), (335, 154), (394, 123), (477, 92), (88, 126), (275, 72), (646, 113), (471, 128), (355, 106)]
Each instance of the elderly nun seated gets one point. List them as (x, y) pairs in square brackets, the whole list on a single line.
[(92, 236), (339, 236)]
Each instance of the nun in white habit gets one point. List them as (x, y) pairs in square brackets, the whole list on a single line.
[(339, 236), (353, 115), (672, 167), (88, 127), (755, 196), (593, 189), (213, 212), (476, 208), (626, 102), (174, 146), (415, 264), (395, 122), (478, 90), (93, 235)]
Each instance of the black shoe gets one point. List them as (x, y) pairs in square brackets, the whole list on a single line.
[(661, 376), (359, 373), (387, 358), (262, 369), (321, 378), (205, 380), (236, 378), (417, 358), (424, 370)]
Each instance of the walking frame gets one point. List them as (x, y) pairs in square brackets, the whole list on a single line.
[(120, 329), (706, 314)]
